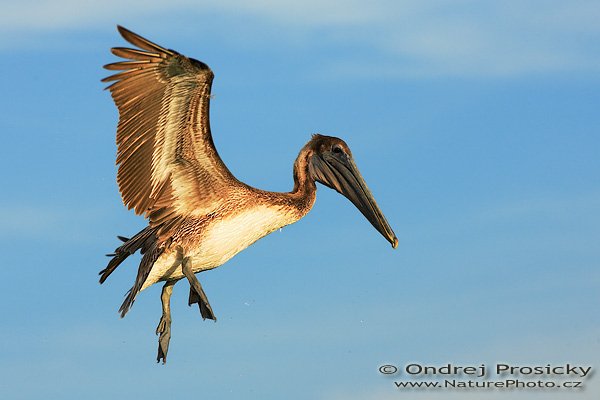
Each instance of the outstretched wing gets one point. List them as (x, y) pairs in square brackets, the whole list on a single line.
[(168, 164)]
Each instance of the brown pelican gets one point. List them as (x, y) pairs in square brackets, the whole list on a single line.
[(199, 215)]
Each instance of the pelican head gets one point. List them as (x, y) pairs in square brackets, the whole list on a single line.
[(330, 163)]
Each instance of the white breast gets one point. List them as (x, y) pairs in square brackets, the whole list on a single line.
[(222, 240)]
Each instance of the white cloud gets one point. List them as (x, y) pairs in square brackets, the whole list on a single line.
[(409, 38)]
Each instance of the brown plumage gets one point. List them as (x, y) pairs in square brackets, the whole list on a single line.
[(199, 214)]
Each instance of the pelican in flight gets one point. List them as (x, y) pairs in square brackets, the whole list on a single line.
[(199, 215)]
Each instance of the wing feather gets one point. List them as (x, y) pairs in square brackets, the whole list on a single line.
[(135, 54), (143, 43), (129, 65), (168, 164)]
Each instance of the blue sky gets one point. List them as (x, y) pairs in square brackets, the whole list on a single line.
[(476, 125)]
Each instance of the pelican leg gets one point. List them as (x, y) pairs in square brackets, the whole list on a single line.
[(197, 294), (164, 326)]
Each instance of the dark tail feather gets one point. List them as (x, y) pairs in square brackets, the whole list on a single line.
[(128, 248), (151, 252), (117, 259)]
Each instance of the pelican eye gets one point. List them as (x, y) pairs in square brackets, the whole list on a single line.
[(337, 149)]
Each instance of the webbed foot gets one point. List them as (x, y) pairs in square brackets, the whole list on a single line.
[(164, 331), (164, 326), (203, 304), (197, 294)]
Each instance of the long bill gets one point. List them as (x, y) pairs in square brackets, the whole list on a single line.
[(339, 172)]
